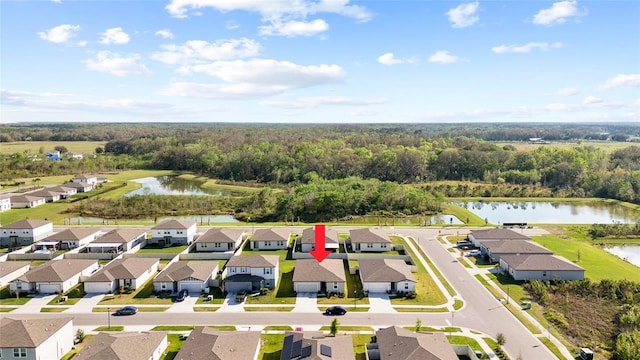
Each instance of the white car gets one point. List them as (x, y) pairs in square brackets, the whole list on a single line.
[(474, 253)]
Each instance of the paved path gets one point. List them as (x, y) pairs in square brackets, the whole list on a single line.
[(183, 306), (86, 304), (380, 303), (230, 305), (306, 302), (34, 305)]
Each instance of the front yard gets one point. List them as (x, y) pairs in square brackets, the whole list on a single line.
[(155, 249), (284, 294), (142, 295)]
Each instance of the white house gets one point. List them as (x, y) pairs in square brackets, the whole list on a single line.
[(270, 239), (311, 276), (11, 270), (497, 248), (79, 186), (72, 238), (5, 202), (44, 338), (205, 342), (85, 179), (220, 239), (386, 275), (65, 191), (483, 235), (193, 276), (308, 239), (55, 276), (118, 345), (540, 267), (117, 241), (251, 272), (71, 155), (401, 343), (25, 232), (26, 201), (47, 194), (128, 272), (369, 240), (173, 232), (315, 345)]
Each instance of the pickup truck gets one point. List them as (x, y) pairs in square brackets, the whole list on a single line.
[(240, 296)]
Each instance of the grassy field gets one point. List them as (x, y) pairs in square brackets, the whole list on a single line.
[(53, 309), (33, 147), (607, 146)]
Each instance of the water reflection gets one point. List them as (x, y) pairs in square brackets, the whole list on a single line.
[(174, 185), (630, 253)]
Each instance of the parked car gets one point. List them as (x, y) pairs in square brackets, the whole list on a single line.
[(183, 337), (240, 296), (182, 295), (127, 310), (335, 310), (474, 253)]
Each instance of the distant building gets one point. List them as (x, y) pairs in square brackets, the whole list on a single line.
[(5, 202), (25, 232), (537, 141), (35, 338), (173, 232), (125, 346)]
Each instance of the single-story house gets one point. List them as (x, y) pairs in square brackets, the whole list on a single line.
[(25, 232), (65, 191), (48, 194), (5, 202), (314, 345), (270, 239), (128, 272), (478, 236), (117, 345), (55, 276), (251, 272), (220, 239), (311, 276), (71, 155), (26, 201), (369, 240), (117, 241), (85, 179), (194, 276), (11, 270), (308, 239), (396, 343), (497, 248), (79, 186), (173, 232), (540, 267), (46, 338), (207, 343), (386, 275), (72, 238)]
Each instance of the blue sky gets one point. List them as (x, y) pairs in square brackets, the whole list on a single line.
[(319, 61)]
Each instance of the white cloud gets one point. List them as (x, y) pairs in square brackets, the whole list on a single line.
[(108, 62), (60, 34), (568, 91), (365, 112), (464, 15), (313, 102), (557, 13), (114, 36), (591, 100), (526, 48), (199, 51), (165, 33), (219, 91), (390, 59), (294, 28), (231, 25), (443, 57), (622, 80)]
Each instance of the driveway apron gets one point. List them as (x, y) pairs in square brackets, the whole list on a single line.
[(380, 303), (306, 302)]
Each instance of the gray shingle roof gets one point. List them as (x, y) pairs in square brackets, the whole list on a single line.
[(368, 236), (171, 224), (384, 270), (253, 261), (341, 347), (205, 343), (27, 224), (122, 346), (120, 236), (220, 235), (7, 267), (396, 343), (72, 234), (127, 268), (182, 270), (515, 247), (310, 270), (25, 198), (540, 263), (57, 270), (271, 235), (498, 234), (29, 333), (309, 236)]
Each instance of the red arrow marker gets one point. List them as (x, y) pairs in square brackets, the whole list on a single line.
[(320, 253)]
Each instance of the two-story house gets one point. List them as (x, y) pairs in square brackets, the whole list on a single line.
[(270, 239), (173, 232), (251, 272), (25, 232), (220, 239), (5, 202)]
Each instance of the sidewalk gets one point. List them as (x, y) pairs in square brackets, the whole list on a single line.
[(380, 303), (86, 304), (34, 305)]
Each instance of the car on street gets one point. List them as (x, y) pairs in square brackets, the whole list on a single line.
[(335, 310), (127, 310), (182, 295)]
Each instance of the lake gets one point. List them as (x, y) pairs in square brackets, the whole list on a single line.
[(546, 212), (630, 253), (440, 219), (173, 185)]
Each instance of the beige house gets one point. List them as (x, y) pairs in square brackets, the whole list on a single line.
[(128, 272), (55, 276), (173, 232), (497, 248), (79, 186), (251, 272), (85, 179), (314, 345), (194, 276), (47, 338), (11, 270), (140, 345), (220, 239), (396, 343), (64, 190), (48, 195), (25, 232), (308, 239), (117, 241), (270, 239), (205, 343), (494, 234), (72, 238), (369, 240), (311, 276), (386, 275), (26, 201), (540, 267)]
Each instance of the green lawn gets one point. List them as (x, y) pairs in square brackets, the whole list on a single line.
[(463, 215), (172, 328), (268, 308), (139, 296), (53, 309), (173, 347), (218, 297), (73, 296), (348, 328), (154, 249), (107, 328), (77, 347), (33, 147), (7, 309), (205, 308), (271, 346), (6, 298), (278, 328), (140, 309), (284, 294), (419, 309), (463, 340), (434, 269)]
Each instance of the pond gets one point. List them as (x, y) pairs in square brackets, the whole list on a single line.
[(630, 253), (546, 212), (174, 185), (440, 219)]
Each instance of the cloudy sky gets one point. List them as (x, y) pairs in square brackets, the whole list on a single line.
[(335, 61)]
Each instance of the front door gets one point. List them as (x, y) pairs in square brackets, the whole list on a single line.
[(323, 286), (393, 286)]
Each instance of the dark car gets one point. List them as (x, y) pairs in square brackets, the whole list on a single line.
[(127, 310), (335, 310), (182, 295)]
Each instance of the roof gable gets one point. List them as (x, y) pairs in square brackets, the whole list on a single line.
[(221, 235), (309, 236), (122, 345), (253, 261), (120, 236), (205, 343), (182, 270), (172, 224), (126, 268), (310, 270), (540, 263), (396, 343), (57, 270), (367, 235), (384, 270), (27, 224), (498, 234), (72, 234), (515, 246), (271, 235), (29, 333)]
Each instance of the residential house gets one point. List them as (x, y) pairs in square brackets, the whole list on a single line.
[(25, 232), (117, 241), (308, 239), (71, 155), (173, 232), (117, 345), (206, 343), (369, 240), (48, 195), (386, 275), (314, 345), (251, 272), (396, 343), (194, 276), (72, 238), (128, 273), (64, 191), (79, 186), (11, 270), (220, 239), (494, 234), (86, 179), (5, 202), (26, 201), (39, 338), (540, 267), (493, 250), (270, 239), (311, 276), (55, 276)]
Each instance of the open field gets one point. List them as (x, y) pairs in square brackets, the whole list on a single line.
[(84, 147), (607, 146)]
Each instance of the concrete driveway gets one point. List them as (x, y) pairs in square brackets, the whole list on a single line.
[(231, 305), (183, 306), (306, 302), (380, 303), (86, 304)]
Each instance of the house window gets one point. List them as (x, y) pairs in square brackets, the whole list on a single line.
[(406, 286), (384, 246), (164, 286), (335, 285), (179, 232), (280, 243), (19, 352), (267, 243), (267, 271), (544, 273), (232, 270), (369, 245), (217, 245)]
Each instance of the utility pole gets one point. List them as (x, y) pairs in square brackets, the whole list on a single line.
[(109, 318)]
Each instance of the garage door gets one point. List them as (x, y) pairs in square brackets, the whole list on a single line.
[(194, 287), (234, 287), (375, 287), (49, 288), (306, 287)]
